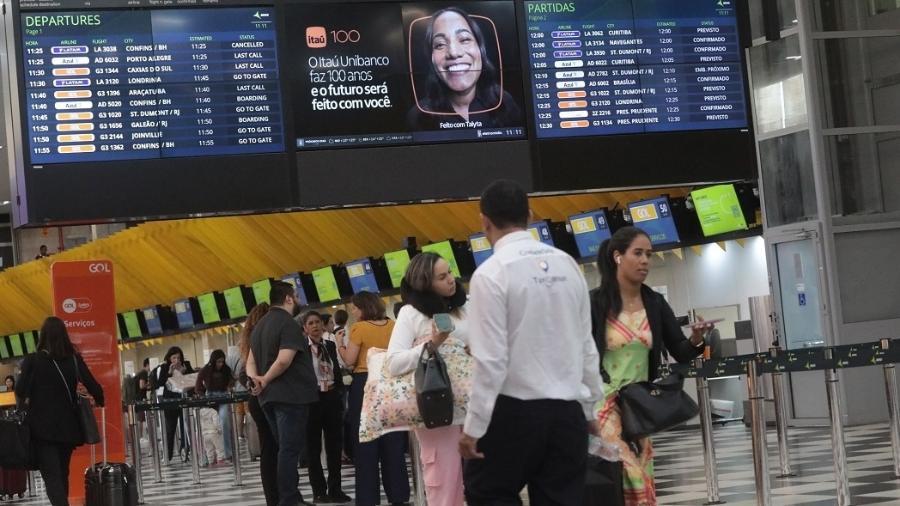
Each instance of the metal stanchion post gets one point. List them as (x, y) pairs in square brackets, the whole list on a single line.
[(709, 450), (758, 436), (890, 384), (418, 480), (136, 453), (150, 416), (837, 435), (32, 484), (191, 426), (784, 453), (235, 446)]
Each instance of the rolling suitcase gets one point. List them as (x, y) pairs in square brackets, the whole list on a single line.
[(252, 435), (109, 483), (13, 483)]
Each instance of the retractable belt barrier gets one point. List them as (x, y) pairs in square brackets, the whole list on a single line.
[(191, 407), (776, 362)]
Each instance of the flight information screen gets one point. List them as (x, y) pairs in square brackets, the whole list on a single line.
[(634, 66), (105, 85)]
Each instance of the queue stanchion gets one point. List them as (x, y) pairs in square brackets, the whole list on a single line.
[(784, 453), (418, 479), (837, 433), (163, 429), (191, 426), (32, 484), (150, 416), (758, 436), (136, 453), (890, 386), (235, 445), (706, 427)]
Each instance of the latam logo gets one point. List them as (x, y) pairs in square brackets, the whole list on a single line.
[(316, 37)]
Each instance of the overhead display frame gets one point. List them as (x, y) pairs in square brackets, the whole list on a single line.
[(127, 96)]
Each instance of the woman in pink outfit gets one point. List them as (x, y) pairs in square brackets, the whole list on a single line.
[(428, 288)]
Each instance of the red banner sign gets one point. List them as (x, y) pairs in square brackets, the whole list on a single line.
[(84, 298)]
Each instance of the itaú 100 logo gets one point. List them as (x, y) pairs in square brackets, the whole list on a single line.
[(97, 268), (317, 36)]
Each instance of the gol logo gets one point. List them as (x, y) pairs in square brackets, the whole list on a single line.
[(97, 268), (316, 37), (76, 305)]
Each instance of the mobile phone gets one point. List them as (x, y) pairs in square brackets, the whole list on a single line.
[(443, 323)]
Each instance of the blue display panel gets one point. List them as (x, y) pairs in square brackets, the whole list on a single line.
[(481, 248), (634, 66), (154, 325), (654, 216), (106, 85), (184, 314), (590, 230), (294, 280), (541, 232), (362, 279)]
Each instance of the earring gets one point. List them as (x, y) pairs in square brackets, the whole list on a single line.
[(618, 260)]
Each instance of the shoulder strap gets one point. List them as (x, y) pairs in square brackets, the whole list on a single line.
[(66, 383)]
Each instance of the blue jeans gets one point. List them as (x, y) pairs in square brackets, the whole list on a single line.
[(288, 424), (225, 424)]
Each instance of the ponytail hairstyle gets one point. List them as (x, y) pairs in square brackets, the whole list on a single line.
[(609, 298)]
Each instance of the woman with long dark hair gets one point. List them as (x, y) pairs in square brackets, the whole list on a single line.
[(632, 325), (216, 378), (268, 458), (173, 363), (463, 84), (372, 330), (47, 387), (429, 288)]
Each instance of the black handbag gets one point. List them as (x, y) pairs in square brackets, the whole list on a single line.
[(434, 392), (603, 483), (651, 407), (15, 439), (83, 409)]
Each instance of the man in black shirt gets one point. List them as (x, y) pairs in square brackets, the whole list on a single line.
[(281, 370)]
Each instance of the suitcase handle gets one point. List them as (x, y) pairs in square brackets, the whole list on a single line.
[(103, 440)]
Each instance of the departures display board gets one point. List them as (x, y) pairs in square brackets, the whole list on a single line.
[(404, 73), (634, 66), (106, 85)]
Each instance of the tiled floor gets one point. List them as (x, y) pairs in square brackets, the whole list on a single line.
[(679, 466)]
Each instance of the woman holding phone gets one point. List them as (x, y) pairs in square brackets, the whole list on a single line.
[(434, 312), (632, 325)]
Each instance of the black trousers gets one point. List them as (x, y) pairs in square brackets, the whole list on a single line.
[(174, 421), (268, 448), (541, 444), (325, 417), (53, 461)]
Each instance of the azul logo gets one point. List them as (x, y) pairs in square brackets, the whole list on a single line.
[(316, 37)]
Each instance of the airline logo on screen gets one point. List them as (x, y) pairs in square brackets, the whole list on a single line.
[(316, 37), (646, 212), (583, 225)]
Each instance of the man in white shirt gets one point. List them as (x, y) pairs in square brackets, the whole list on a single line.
[(537, 370)]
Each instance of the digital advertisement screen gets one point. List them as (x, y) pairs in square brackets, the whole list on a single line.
[(326, 285), (15, 344), (541, 232), (404, 73), (30, 342), (481, 248), (183, 314), (634, 66), (234, 300), (208, 308), (445, 250), (654, 216), (4, 349), (362, 279), (132, 325), (154, 325), (261, 290), (294, 280), (107, 85), (590, 230), (718, 209), (397, 262)]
